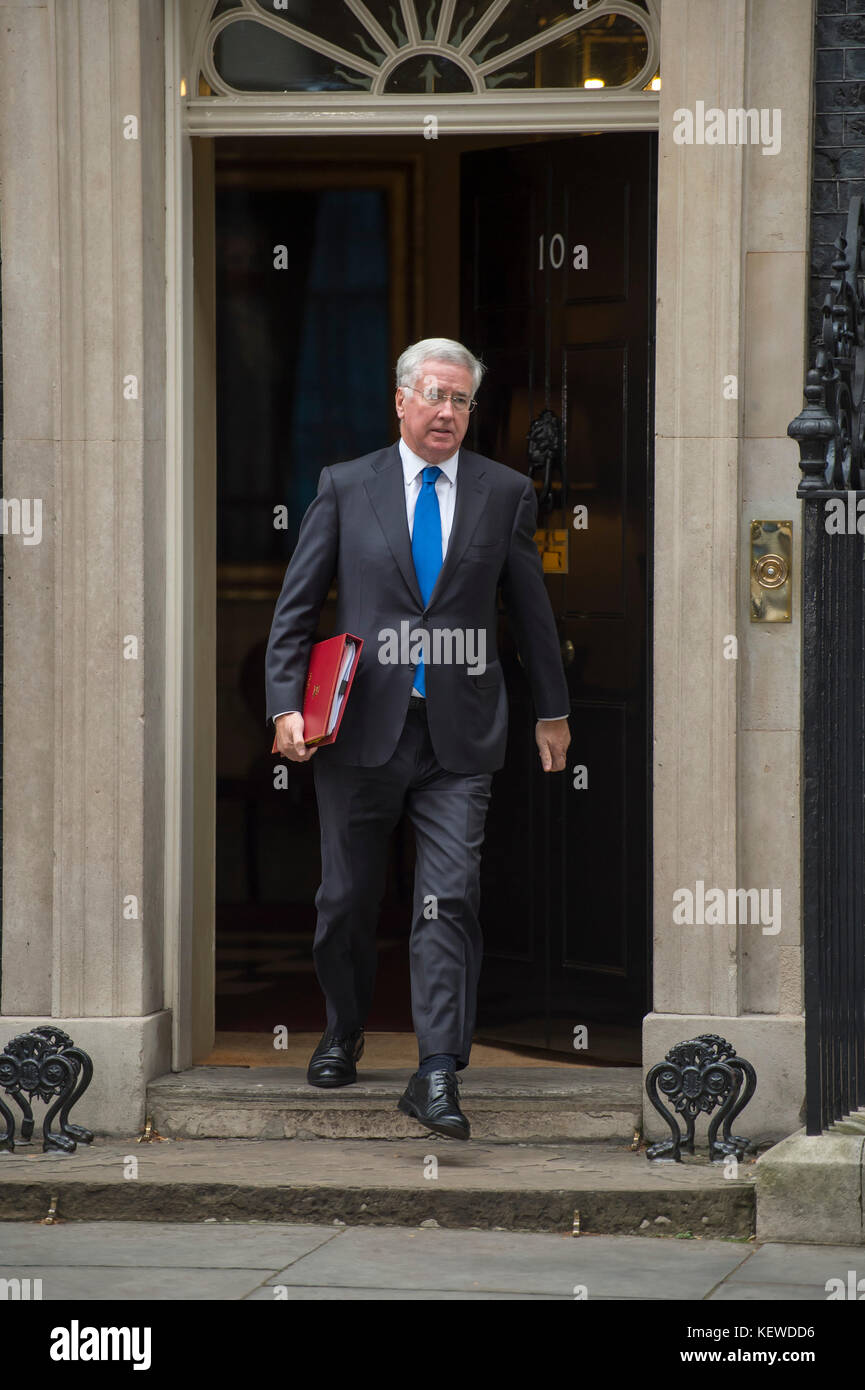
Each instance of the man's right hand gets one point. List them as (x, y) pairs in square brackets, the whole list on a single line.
[(289, 738)]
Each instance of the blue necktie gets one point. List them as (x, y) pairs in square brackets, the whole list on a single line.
[(426, 548)]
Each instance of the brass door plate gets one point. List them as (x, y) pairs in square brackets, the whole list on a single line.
[(553, 548), (771, 571)]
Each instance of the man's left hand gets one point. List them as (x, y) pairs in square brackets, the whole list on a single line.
[(552, 737)]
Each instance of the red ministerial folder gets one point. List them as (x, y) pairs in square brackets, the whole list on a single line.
[(332, 664)]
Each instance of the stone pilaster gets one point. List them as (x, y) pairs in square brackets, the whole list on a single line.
[(83, 258), (700, 216), (732, 295)]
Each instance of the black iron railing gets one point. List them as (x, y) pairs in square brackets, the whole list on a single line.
[(829, 432)]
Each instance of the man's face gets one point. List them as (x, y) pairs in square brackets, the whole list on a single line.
[(434, 431)]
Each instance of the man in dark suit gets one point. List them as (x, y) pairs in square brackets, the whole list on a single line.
[(419, 536)]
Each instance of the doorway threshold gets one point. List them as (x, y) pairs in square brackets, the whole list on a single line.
[(611, 1046), (382, 1052)]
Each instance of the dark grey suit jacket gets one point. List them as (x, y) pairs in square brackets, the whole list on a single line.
[(356, 530)]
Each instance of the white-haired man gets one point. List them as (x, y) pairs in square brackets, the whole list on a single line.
[(420, 536)]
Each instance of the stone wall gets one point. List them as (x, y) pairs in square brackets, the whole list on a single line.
[(82, 160)]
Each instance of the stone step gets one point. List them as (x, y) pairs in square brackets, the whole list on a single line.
[(503, 1104), (515, 1187)]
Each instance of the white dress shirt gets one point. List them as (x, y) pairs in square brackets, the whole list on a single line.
[(446, 491)]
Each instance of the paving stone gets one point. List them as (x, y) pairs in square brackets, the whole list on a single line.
[(804, 1264), (392, 1264), (333, 1293), (142, 1243), (735, 1291), (63, 1283), (493, 1262)]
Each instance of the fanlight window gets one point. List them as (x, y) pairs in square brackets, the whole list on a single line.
[(428, 46)]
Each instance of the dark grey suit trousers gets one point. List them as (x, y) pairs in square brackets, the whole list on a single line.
[(358, 809)]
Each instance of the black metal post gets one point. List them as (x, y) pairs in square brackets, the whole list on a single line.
[(829, 431)]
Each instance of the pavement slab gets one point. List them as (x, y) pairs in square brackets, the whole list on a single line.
[(814, 1263), (248, 1245), (71, 1283), (251, 1261), (492, 1262), (737, 1291)]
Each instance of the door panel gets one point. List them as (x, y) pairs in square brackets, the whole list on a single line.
[(565, 899)]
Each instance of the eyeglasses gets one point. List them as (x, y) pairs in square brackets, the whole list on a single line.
[(433, 396)]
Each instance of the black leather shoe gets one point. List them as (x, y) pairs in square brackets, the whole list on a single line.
[(434, 1101), (334, 1061)]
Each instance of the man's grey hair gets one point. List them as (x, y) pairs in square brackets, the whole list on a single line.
[(410, 364)]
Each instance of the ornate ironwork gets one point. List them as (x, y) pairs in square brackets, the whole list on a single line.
[(44, 1063), (545, 454), (829, 432), (698, 1076)]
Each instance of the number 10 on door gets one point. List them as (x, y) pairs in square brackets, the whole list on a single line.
[(555, 252)]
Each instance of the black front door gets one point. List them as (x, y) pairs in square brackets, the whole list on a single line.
[(557, 298)]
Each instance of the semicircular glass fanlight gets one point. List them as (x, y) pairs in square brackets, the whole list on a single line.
[(426, 46)]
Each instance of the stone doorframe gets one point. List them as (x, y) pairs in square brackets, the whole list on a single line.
[(189, 224), (116, 815)]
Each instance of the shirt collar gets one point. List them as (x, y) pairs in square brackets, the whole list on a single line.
[(412, 464)]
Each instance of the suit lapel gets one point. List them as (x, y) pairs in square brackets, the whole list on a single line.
[(386, 492)]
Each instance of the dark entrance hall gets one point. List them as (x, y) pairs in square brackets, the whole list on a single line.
[(330, 257)]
